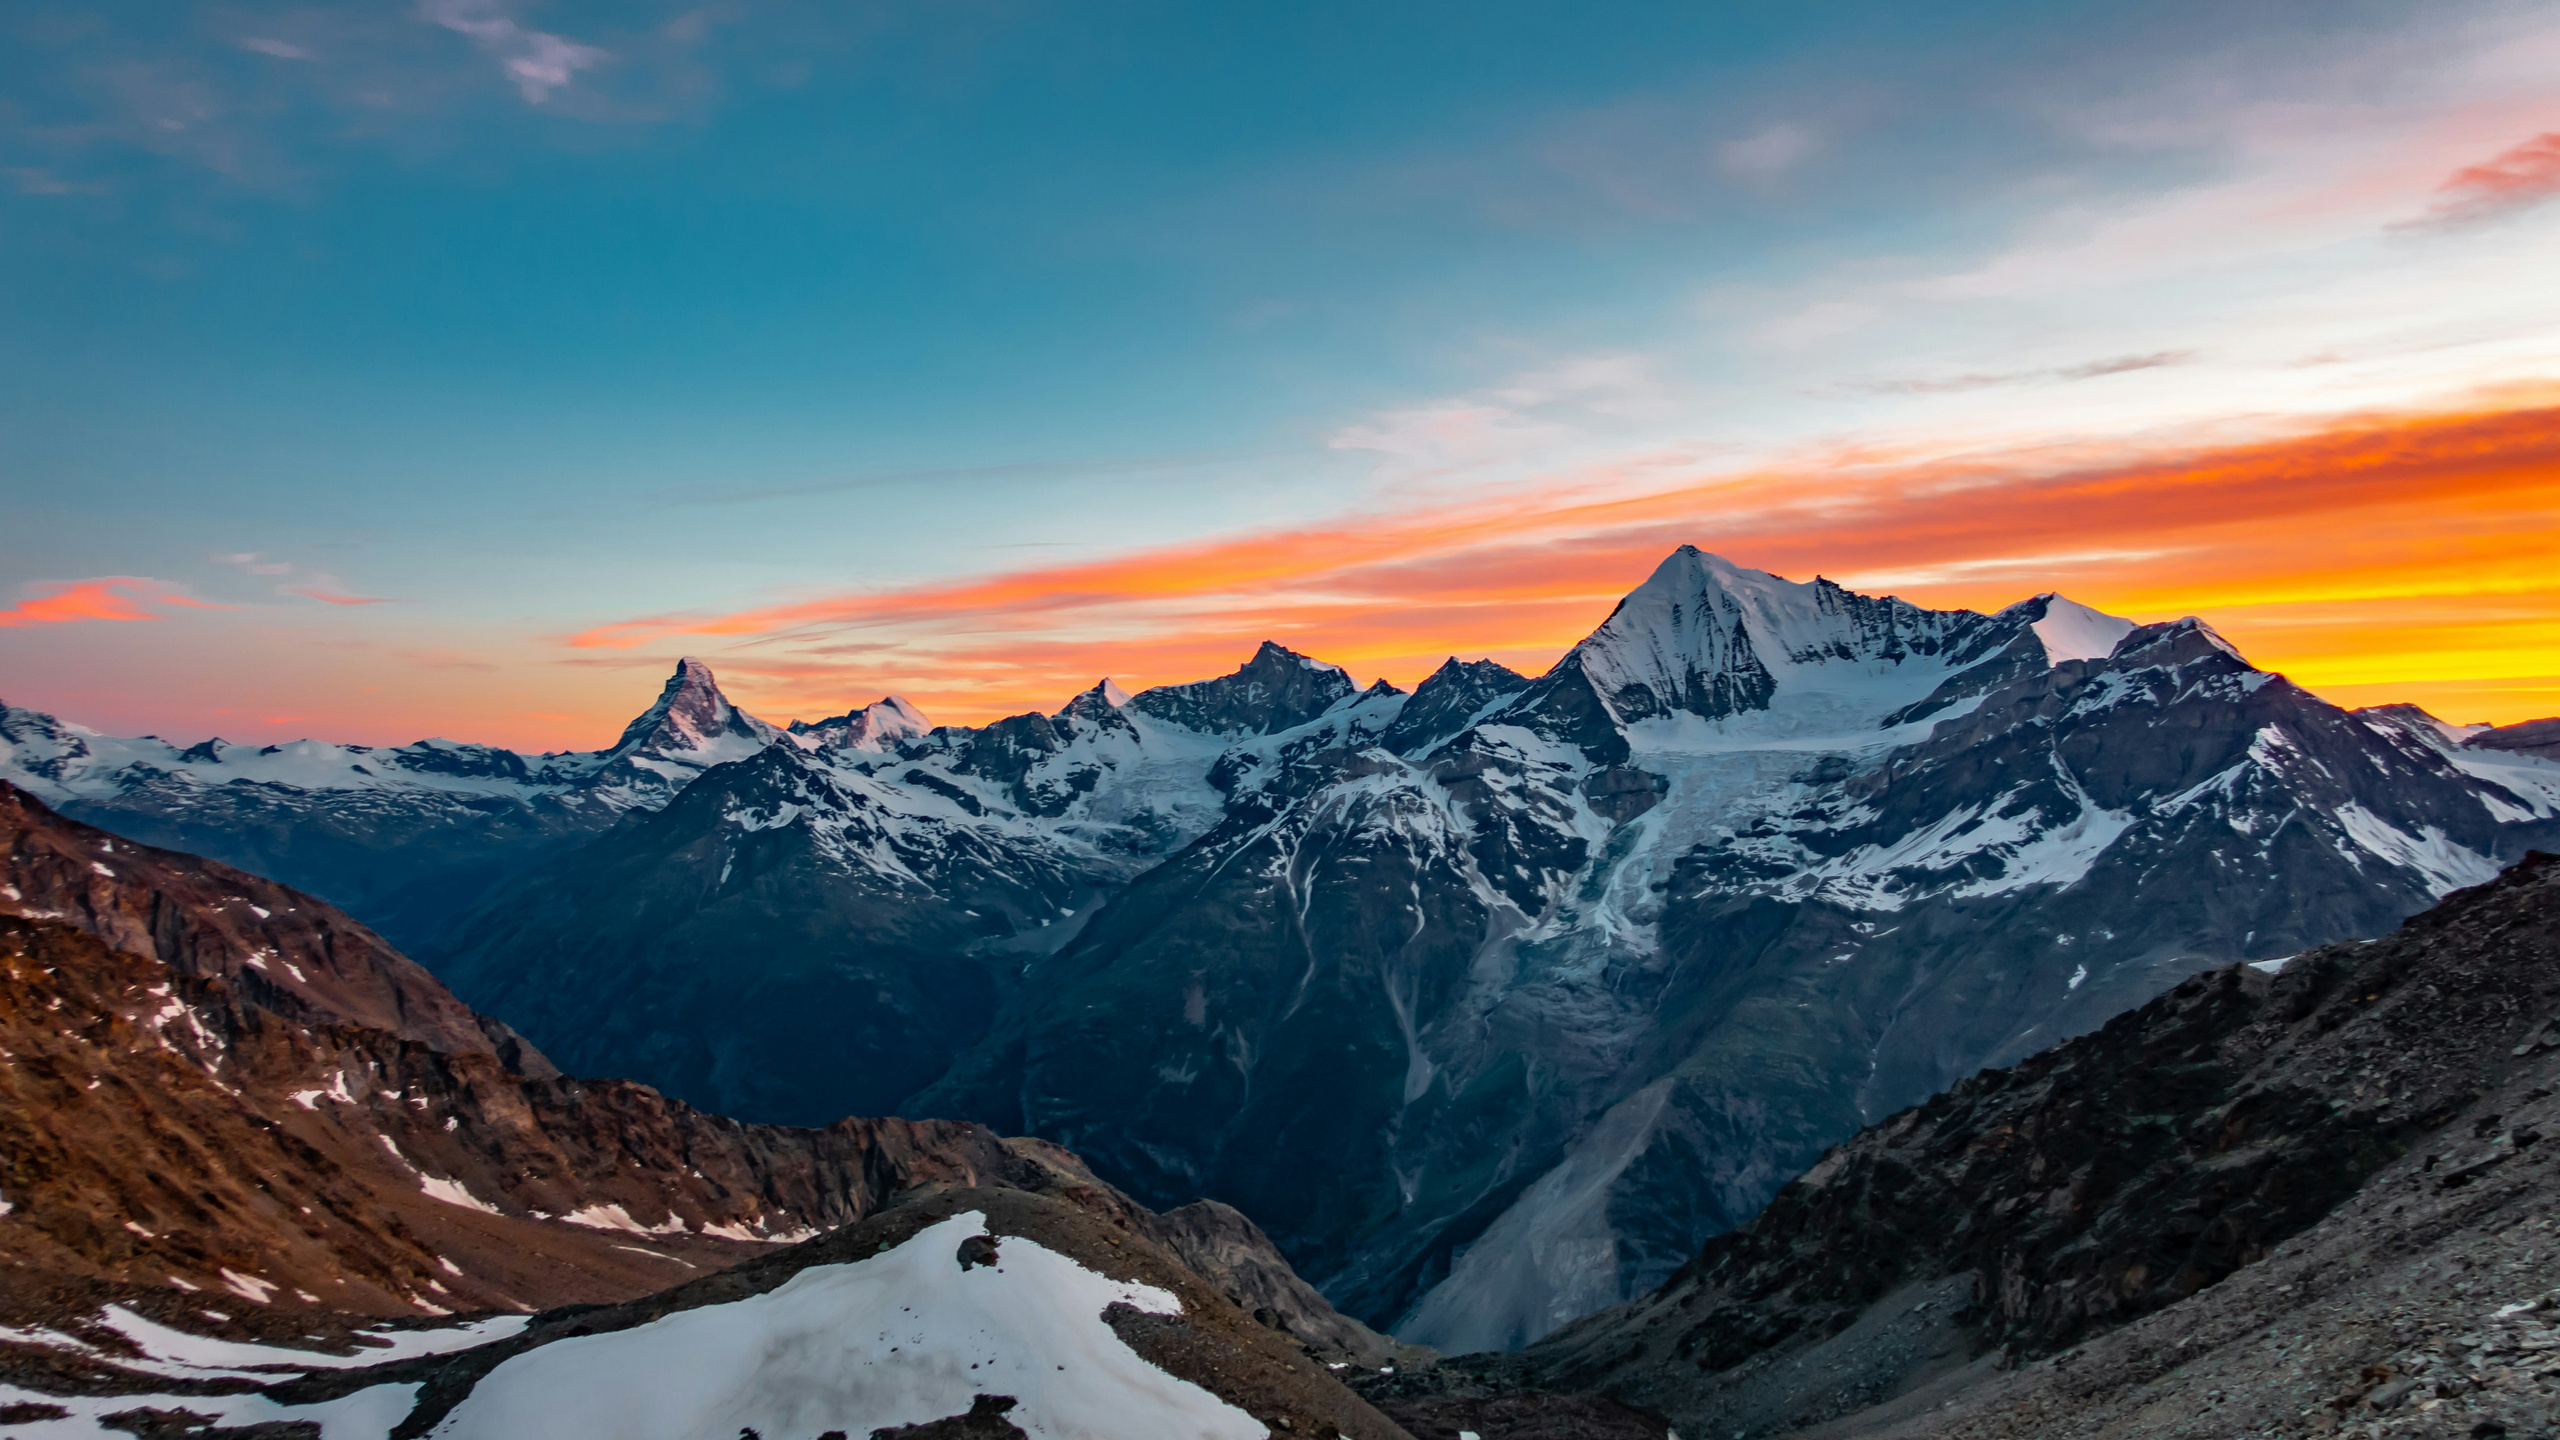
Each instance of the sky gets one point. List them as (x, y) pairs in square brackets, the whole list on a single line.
[(372, 371)]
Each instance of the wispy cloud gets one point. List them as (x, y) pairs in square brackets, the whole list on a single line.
[(2052, 374), (2518, 179), (1514, 422), (305, 584), (537, 61), (106, 597)]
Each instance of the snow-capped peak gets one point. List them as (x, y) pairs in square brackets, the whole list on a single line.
[(691, 728), (2070, 630), (874, 727), (690, 714), (1705, 636), (1112, 693)]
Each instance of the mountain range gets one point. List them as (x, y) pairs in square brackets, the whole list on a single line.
[(1491, 1002)]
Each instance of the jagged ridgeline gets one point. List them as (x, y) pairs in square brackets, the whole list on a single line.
[(1492, 1001)]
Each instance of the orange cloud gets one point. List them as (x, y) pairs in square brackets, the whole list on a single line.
[(2376, 550), (109, 597)]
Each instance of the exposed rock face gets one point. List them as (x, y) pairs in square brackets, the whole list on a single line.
[(1448, 703), (2126, 1172), (1229, 1251), (281, 951), (1278, 689), (2531, 737)]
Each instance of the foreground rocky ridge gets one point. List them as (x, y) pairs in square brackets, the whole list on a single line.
[(2255, 1205)]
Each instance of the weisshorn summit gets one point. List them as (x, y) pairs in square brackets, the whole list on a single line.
[(1490, 1002)]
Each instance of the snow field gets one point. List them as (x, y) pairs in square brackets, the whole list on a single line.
[(901, 1338)]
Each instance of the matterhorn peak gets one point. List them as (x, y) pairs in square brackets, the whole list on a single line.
[(691, 714)]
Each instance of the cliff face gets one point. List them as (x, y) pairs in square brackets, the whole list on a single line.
[(2129, 1172)]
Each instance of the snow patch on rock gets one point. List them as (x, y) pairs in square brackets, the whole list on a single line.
[(901, 1338)]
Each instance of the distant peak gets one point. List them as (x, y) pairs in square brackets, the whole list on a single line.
[(1273, 652), (1276, 689), (2070, 630), (1110, 691), (690, 714)]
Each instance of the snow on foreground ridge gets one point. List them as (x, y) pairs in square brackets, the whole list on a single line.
[(901, 1338)]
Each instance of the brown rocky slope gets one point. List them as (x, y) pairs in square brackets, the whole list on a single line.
[(228, 1105)]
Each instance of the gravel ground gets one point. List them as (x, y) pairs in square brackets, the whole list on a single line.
[(2426, 1306)]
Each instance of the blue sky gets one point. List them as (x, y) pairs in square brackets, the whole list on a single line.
[(530, 317)]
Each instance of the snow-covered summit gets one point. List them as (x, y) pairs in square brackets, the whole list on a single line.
[(2070, 630), (873, 727), (691, 715), (1703, 636)]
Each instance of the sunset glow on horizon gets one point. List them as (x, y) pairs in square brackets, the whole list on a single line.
[(359, 389), (2387, 559), (2383, 559)]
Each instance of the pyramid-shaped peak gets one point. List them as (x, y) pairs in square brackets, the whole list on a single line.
[(2070, 630), (1099, 705), (1709, 637), (691, 715), (1272, 652)]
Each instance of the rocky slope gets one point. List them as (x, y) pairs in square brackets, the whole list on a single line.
[(229, 1106), (2531, 737), (2254, 1205), (1492, 1001)]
